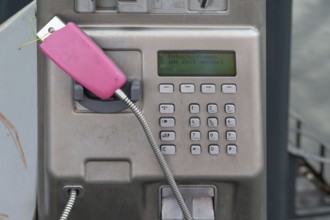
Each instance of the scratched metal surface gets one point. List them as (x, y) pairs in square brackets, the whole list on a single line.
[(18, 118)]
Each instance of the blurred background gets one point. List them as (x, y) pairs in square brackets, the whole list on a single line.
[(309, 124)]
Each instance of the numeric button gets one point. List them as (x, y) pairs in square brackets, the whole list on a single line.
[(212, 108), (231, 136), (195, 136), (212, 122), (213, 135), (214, 149), (230, 122), (230, 108), (194, 108), (194, 122)]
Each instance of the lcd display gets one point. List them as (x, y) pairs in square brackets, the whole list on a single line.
[(196, 63)]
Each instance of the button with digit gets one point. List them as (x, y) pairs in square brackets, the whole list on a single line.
[(230, 122), (212, 108), (213, 135), (230, 108), (195, 136), (195, 122), (212, 122), (214, 149), (231, 136), (194, 108)]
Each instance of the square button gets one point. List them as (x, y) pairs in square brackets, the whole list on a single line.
[(194, 108), (231, 136), (214, 149), (212, 122), (167, 135), (195, 136), (166, 108), (230, 108), (230, 122), (212, 108), (213, 135), (231, 149), (195, 149), (195, 122)]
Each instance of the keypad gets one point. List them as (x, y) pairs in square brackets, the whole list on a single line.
[(212, 124)]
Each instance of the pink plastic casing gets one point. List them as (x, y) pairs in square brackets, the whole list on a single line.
[(77, 55)]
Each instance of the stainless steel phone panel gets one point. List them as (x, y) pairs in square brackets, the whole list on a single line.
[(109, 136), (109, 155)]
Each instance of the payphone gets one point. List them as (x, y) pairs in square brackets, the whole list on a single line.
[(196, 70)]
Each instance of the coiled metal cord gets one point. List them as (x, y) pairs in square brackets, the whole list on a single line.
[(158, 154), (69, 205)]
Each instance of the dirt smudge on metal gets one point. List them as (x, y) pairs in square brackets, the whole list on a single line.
[(14, 134), (3, 216)]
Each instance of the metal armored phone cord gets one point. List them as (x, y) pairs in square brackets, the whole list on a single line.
[(69, 205), (169, 176)]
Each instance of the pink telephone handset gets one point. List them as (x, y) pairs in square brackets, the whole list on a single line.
[(78, 56)]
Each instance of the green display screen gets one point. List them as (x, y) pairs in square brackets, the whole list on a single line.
[(196, 63)]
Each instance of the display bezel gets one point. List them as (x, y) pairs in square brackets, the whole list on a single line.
[(188, 69)]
